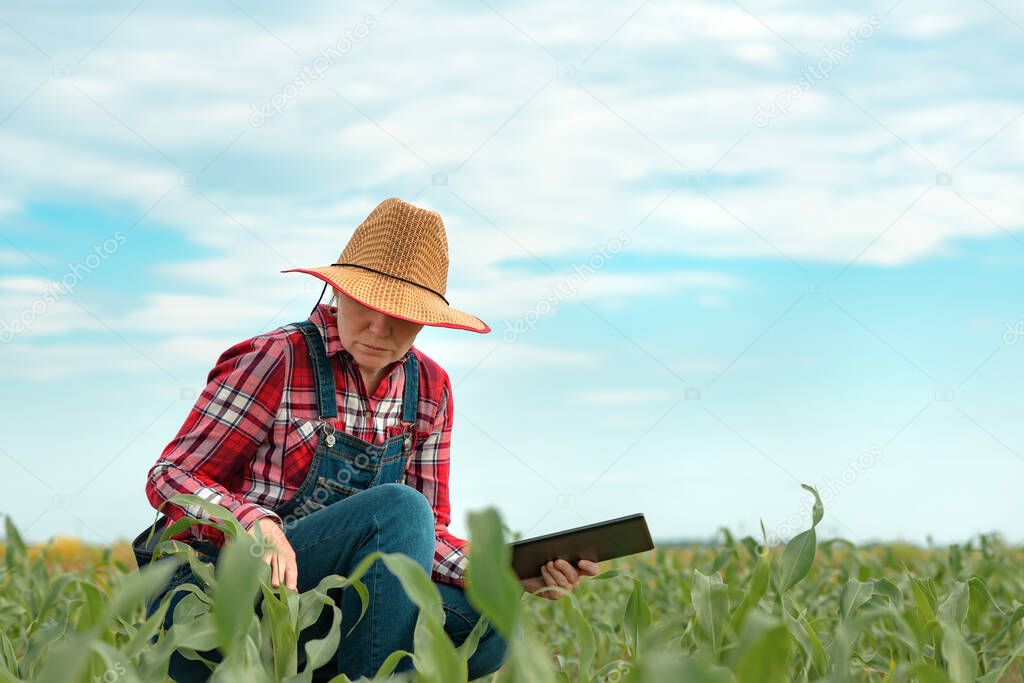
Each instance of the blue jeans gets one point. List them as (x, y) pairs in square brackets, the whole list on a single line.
[(391, 518)]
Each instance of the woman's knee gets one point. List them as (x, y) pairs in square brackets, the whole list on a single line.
[(399, 501), (404, 521)]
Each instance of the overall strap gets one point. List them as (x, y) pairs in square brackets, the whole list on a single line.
[(326, 401), (410, 398)]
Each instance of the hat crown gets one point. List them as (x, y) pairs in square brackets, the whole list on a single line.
[(402, 240)]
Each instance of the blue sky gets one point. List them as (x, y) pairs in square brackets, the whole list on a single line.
[(798, 277)]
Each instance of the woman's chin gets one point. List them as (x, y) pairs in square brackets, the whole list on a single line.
[(371, 362)]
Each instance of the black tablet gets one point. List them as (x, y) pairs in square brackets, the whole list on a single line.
[(596, 542)]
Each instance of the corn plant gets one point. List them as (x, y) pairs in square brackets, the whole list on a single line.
[(734, 611)]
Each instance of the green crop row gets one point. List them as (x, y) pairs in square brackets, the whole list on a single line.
[(736, 611)]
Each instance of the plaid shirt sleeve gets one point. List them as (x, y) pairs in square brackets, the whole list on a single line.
[(428, 473), (228, 422)]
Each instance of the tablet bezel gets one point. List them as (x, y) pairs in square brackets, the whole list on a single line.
[(646, 542)]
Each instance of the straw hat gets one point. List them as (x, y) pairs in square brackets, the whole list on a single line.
[(397, 263)]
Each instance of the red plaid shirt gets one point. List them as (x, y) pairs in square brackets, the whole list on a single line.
[(248, 442)]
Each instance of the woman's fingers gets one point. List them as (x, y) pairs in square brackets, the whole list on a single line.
[(549, 580), (560, 579), (291, 574), (286, 571), (569, 572), (278, 554), (271, 559), (278, 567), (283, 566), (559, 575), (562, 574)]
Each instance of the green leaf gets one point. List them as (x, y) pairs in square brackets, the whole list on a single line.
[(10, 657), (923, 598), (319, 651), (711, 605), (758, 586), (217, 515), (926, 673), (277, 620), (953, 609), (961, 660), (433, 652), (637, 617), (16, 550), (980, 600), (240, 568), (890, 590), (659, 667), (846, 636), (68, 660), (491, 586), (797, 558), (136, 589), (722, 558), (52, 592), (764, 651), (819, 662), (199, 634), (584, 634), (527, 661), (469, 645), (389, 664), (854, 594), (818, 510)]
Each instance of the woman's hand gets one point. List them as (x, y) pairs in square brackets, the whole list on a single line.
[(280, 557), (559, 573)]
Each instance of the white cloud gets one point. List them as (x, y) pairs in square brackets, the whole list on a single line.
[(56, 362), (551, 172), (507, 293), (933, 25), (712, 301), (182, 356), (12, 257), (757, 53), (490, 354), (34, 285), (167, 313)]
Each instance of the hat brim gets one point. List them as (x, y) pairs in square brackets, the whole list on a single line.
[(395, 297)]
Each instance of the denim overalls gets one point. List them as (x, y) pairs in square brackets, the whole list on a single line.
[(342, 464)]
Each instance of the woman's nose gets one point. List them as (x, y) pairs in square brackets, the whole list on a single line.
[(380, 324)]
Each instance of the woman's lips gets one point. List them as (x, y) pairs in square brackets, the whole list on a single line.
[(375, 349)]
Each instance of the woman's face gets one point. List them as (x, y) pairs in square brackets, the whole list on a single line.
[(361, 328)]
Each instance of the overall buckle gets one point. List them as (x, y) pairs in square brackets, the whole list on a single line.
[(328, 430)]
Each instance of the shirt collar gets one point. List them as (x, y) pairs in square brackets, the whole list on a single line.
[(324, 316)]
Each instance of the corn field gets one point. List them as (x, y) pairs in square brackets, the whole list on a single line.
[(735, 610)]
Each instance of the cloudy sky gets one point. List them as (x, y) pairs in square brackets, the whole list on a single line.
[(725, 248)]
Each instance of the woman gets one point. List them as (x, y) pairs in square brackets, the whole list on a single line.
[(331, 436)]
